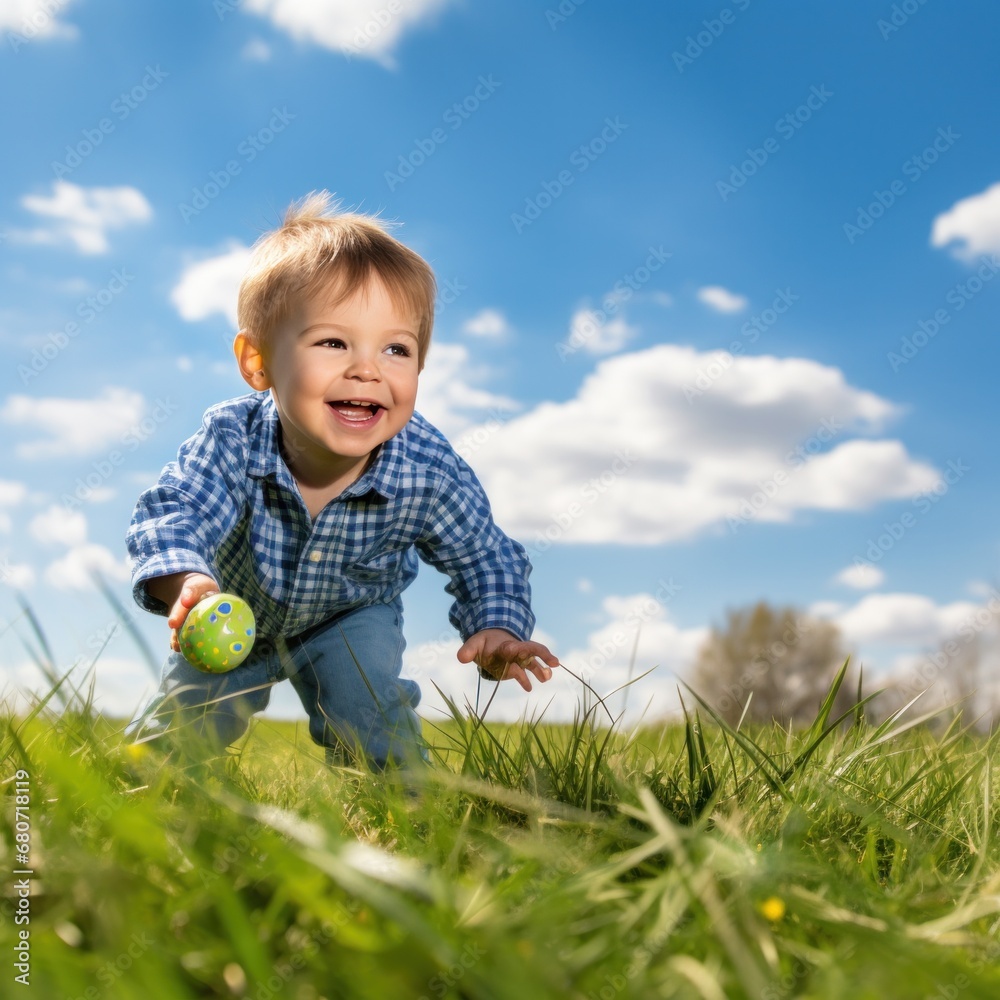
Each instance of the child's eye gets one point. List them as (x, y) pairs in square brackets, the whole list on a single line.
[(399, 350), (330, 342)]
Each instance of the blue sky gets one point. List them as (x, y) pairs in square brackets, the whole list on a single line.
[(718, 305)]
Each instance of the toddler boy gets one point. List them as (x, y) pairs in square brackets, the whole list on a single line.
[(312, 497)]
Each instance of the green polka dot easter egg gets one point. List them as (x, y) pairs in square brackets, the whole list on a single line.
[(218, 633)]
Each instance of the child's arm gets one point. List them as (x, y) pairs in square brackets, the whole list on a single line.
[(180, 592), (178, 524), (489, 580), (502, 656)]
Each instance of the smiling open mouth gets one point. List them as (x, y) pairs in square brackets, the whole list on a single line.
[(355, 411)]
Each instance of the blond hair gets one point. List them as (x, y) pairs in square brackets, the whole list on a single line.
[(316, 247)]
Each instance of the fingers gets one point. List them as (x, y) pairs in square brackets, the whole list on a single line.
[(470, 650), (508, 658), (195, 588), (507, 672), (516, 659), (517, 672)]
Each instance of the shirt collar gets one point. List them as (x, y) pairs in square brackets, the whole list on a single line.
[(265, 458)]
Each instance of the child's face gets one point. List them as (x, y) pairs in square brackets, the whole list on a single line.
[(344, 378)]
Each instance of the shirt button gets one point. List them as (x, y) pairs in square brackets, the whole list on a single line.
[(315, 555)]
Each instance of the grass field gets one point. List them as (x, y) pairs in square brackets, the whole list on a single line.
[(530, 860)]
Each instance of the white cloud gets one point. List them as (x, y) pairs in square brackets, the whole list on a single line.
[(102, 494), (825, 609), (638, 623), (603, 662), (211, 285), (856, 475), (60, 526), (486, 323), (364, 28), (20, 576), (721, 299), (901, 619), (33, 19), (662, 299), (973, 222), (74, 570), (122, 684), (257, 50), (11, 493), (83, 216), (448, 398), (632, 459), (597, 334), (861, 576), (73, 426)]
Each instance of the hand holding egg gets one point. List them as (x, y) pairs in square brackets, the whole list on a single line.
[(218, 633)]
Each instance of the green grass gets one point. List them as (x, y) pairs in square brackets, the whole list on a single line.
[(531, 860)]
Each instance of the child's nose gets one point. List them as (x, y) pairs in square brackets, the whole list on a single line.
[(362, 367)]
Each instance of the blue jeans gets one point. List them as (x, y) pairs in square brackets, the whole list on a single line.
[(345, 671)]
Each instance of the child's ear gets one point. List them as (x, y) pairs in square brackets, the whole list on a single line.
[(251, 362)]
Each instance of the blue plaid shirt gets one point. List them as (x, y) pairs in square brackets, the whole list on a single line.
[(230, 508)]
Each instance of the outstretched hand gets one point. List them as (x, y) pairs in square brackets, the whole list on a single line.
[(501, 656), (180, 592)]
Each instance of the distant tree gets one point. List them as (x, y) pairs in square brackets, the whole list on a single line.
[(784, 657)]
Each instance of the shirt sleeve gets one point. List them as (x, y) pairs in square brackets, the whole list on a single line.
[(178, 524), (488, 570)]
